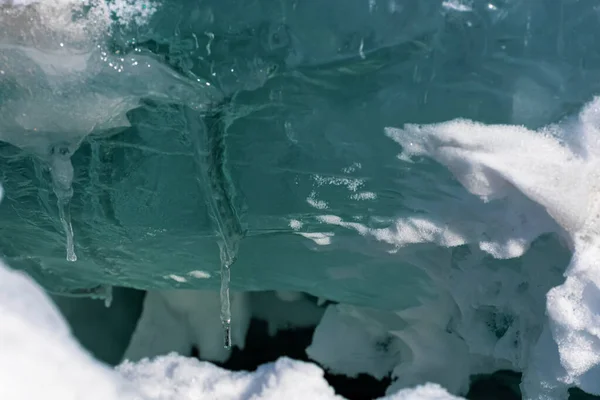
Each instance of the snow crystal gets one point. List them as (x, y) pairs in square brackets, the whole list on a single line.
[(183, 378), (405, 231), (173, 377)]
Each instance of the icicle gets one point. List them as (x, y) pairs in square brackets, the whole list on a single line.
[(101, 292), (108, 295), (61, 170), (64, 213), (225, 300), (208, 139)]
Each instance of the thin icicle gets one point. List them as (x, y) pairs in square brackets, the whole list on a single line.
[(61, 170), (208, 139), (64, 213), (108, 295), (225, 300)]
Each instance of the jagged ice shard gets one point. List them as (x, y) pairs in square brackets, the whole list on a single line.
[(428, 169)]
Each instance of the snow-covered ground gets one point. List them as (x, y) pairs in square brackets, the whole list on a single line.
[(40, 360)]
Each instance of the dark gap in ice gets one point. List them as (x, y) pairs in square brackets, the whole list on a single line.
[(105, 332), (504, 385), (501, 385), (261, 348), (195, 352), (578, 394), (362, 387)]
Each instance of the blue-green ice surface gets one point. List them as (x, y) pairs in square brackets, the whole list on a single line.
[(258, 126)]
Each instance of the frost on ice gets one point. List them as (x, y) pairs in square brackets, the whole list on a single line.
[(56, 97)]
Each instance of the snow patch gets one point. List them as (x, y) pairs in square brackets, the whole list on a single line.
[(320, 238), (557, 169), (404, 232), (199, 274), (347, 345), (40, 359), (173, 377), (177, 278)]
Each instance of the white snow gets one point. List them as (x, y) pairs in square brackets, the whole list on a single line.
[(177, 278), (295, 224), (41, 360), (348, 345), (38, 357), (556, 168), (173, 377), (199, 274), (414, 346), (17, 3), (428, 391), (404, 232), (320, 238)]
